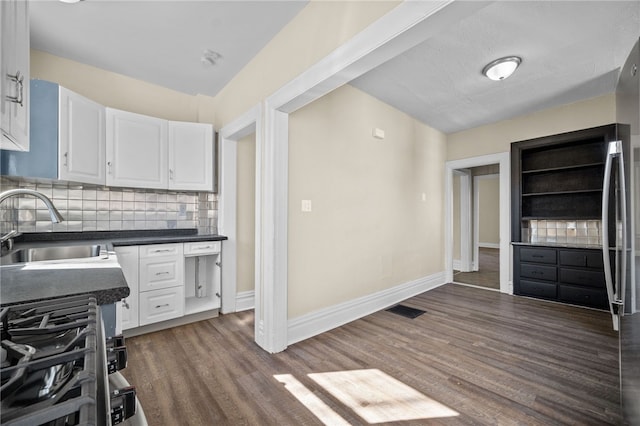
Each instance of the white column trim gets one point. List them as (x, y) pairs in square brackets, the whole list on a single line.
[(503, 159), (466, 242), (227, 201)]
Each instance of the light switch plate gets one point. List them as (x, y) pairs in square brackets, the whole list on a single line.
[(306, 206)]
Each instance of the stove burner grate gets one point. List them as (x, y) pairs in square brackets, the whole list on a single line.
[(49, 374)]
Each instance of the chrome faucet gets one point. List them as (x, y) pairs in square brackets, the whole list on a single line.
[(56, 217)]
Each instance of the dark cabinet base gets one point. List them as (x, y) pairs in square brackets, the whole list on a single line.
[(565, 275)]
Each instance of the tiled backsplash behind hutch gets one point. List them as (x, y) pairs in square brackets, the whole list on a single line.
[(100, 208)]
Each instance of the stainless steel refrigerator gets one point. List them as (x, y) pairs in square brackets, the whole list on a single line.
[(621, 233)]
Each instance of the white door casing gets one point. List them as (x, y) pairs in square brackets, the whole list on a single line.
[(503, 159)]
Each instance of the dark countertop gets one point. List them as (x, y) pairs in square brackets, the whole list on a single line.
[(123, 238), (559, 245), (39, 281), (101, 277)]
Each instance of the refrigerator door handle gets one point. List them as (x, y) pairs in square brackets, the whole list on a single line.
[(623, 250), (613, 150)]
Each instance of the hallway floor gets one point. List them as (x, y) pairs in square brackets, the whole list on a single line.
[(488, 274)]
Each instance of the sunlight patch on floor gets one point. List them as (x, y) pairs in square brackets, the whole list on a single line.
[(314, 404), (378, 397)]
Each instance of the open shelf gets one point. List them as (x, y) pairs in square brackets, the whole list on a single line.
[(202, 283), (573, 154), (564, 168), (543, 194)]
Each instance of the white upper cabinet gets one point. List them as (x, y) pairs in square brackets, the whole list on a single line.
[(81, 139), (14, 75), (190, 156), (136, 150)]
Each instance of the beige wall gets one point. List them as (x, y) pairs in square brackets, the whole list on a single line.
[(489, 211), (369, 229), (119, 91), (245, 215), (497, 137), (316, 31)]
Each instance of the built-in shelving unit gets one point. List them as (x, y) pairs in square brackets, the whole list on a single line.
[(562, 181), (557, 179)]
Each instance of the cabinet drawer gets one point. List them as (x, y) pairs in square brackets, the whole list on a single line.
[(538, 289), (585, 259), (161, 272), (202, 247), (160, 250), (582, 277), (537, 255), (161, 305), (583, 296), (538, 272)]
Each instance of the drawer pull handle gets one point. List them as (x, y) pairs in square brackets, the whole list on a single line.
[(161, 250), (162, 273), (162, 306), (202, 248), (539, 256)]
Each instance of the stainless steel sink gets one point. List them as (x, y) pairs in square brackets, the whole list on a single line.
[(37, 254)]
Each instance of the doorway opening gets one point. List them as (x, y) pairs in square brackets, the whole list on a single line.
[(477, 226), (477, 220)]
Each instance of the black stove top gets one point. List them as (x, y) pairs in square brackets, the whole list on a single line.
[(52, 363)]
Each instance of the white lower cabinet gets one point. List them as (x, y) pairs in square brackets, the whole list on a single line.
[(168, 281), (161, 305), (128, 307)]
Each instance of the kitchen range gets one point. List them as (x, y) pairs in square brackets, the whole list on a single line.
[(55, 365)]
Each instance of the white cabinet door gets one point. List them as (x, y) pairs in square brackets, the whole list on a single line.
[(128, 308), (81, 139), (136, 150), (161, 305), (14, 75), (190, 156)]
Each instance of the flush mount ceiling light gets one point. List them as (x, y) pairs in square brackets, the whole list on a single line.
[(70, 1), (501, 68)]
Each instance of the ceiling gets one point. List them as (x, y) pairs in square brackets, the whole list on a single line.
[(161, 42), (571, 51)]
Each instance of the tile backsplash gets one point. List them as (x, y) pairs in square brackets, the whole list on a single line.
[(100, 208), (579, 232)]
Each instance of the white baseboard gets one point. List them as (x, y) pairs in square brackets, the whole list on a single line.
[(245, 300), (318, 322), (456, 264), (489, 245)]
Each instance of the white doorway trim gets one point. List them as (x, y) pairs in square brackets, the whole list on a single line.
[(503, 159), (405, 26), (230, 134)]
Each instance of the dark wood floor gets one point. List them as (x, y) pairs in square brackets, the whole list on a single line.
[(488, 273), (494, 359)]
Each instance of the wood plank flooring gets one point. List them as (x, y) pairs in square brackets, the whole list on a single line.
[(488, 273), (492, 358)]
